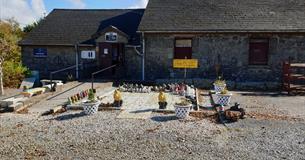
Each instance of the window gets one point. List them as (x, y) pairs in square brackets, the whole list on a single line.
[(183, 48), (111, 37), (88, 54), (258, 51)]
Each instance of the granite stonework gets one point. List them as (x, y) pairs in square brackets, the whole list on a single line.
[(228, 50), (231, 51), (133, 64), (58, 57)]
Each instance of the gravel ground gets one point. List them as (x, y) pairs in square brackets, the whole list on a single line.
[(9, 92), (271, 103), (75, 136)]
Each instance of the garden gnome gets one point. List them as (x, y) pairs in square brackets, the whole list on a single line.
[(162, 100), (117, 99)]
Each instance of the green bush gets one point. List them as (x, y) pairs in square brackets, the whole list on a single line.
[(14, 73)]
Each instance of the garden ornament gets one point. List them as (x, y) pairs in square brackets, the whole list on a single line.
[(117, 98), (162, 100)]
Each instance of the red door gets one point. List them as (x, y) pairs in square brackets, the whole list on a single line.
[(105, 57), (258, 52)]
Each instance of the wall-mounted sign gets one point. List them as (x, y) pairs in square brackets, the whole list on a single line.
[(111, 37), (40, 52), (88, 54), (185, 63), (105, 50)]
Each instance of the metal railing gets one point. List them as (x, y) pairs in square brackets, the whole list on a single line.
[(97, 72), (58, 71)]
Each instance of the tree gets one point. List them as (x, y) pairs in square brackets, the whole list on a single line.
[(10, 35), (28, 28), (4, 49)]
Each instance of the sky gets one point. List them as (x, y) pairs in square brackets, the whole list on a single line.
[(28, 11)]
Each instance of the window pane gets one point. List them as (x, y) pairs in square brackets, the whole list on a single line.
[(258, 52)]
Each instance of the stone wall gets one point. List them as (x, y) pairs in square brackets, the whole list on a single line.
[(229, 50), (133, 64), (58, 57)]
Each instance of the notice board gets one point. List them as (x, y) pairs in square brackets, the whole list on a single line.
[(185, 63)]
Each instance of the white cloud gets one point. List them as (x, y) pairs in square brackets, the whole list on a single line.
[(38, 7), (140, 4), (23, 11), (79, 4)]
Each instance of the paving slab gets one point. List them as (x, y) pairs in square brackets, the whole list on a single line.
[(141, 105)]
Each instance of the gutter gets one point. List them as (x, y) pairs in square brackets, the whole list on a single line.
[(227, 31), (76, 61), (70, 45), (142, 55)]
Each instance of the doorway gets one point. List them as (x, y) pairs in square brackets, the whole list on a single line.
[(111, 54)]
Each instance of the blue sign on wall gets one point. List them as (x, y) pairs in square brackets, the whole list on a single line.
[(40, 52)]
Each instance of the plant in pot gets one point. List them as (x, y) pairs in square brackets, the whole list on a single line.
[(91, 105), (219, 85), (182, 109), (223, 98)]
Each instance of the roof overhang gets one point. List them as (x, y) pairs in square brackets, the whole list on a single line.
[(70, 45), (222, 31)]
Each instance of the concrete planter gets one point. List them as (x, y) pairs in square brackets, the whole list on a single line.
[(91, 108), (223, 99), (219, 88), (182, 111)]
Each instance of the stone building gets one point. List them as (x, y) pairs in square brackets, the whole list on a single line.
[(94, 39), (247, 40)]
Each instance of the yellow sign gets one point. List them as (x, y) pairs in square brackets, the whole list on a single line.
[(185, 63)]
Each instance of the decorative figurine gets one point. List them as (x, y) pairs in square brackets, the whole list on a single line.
[(117, 99), (162, 100)]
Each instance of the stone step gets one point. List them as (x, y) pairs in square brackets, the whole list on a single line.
[(12, 101)]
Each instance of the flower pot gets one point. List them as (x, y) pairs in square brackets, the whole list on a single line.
[(182, 111), (91, 108), (223, 99), (218, 88)]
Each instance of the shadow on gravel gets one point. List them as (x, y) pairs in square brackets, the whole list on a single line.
[(142, 111), (70, 116), (164, 118), (273, 94)]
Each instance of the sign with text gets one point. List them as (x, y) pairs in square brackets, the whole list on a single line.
[(88, 54), (40, 52), (185, 63)]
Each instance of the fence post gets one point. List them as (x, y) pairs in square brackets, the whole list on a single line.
[(92, 81), (51, 81)]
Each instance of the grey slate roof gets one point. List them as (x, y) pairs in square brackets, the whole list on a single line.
[(71, 26), (224, 15)]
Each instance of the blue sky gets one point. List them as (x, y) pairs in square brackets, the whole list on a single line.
[(29, 11), (95, 4)]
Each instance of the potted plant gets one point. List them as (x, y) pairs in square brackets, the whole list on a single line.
[(223, 98), (91, 105), (182, 109), (219, 85)]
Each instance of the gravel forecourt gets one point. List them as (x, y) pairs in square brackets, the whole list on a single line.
[(74, 136), (275, 130)]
